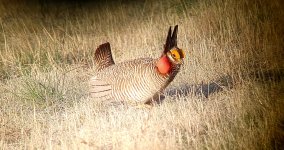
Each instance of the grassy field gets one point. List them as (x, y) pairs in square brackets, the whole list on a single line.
[(46, 61)]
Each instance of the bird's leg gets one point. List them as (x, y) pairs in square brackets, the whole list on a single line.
[(156, 99)]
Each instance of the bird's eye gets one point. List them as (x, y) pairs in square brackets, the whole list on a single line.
[(175, 54)]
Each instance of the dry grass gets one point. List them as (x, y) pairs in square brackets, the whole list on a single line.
[(46, 61)]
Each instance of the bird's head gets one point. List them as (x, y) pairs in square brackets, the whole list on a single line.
[(175, 55), (172, 56)]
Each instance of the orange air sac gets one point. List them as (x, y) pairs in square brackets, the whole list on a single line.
[(164, 65)]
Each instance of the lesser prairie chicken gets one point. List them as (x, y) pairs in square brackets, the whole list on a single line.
[(139, 80)]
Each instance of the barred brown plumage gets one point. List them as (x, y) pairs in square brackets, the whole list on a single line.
[(137, 80)]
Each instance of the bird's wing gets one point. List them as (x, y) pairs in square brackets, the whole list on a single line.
[(103, 57)]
